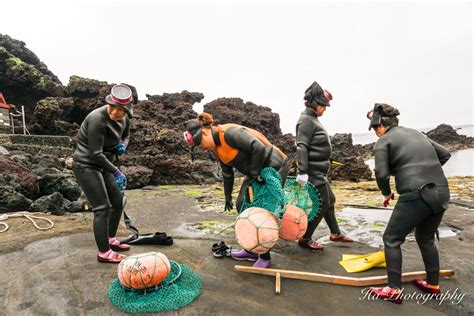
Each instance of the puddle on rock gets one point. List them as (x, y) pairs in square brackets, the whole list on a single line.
[(368, 225), (445, 232)]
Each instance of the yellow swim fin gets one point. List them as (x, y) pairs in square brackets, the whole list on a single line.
[(348, 256), (359, 263)]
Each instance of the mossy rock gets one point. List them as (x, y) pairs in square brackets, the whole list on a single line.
[(193, 193)]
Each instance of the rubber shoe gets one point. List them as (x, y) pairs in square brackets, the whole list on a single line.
[(310, 244), (119, 247), (243, 255), (110, 257), (387, 294), (340, 238), (262, 263), (428, 288)]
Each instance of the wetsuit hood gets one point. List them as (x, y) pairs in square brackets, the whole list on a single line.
[(375, 116), (315, 95), (193, 132), (123, 96)]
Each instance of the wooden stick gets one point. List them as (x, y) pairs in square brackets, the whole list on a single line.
[(277, 283), (337, 279), (368, 207)]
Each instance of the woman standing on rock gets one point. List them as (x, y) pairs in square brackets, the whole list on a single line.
[(415, 161), (241, 148), (104, 134), (313, 148)]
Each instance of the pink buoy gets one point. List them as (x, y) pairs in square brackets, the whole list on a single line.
[(256, 230), (293, 224), (143, 270)]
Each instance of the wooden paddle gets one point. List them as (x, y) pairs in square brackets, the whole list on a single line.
[(334, 279)]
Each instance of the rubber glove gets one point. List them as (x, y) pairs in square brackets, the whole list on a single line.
[(228, 206), (386, 199), (121, 148), (302, 179), (120, 179)]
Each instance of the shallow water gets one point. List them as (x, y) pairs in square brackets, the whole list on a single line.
[(368, 225)]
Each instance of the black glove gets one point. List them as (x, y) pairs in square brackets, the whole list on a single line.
[(228, 206)]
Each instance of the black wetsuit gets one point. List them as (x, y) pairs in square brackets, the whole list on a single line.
[(98, 137), (313, 147), (415, 161), (252, 157)]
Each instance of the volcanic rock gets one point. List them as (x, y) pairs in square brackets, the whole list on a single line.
[(353, 168), (24, 79), (12, 200), (53, 203), (447, 136), (234, 110), (18, 177)]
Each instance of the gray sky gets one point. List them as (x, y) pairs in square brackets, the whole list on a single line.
[(415, 56)]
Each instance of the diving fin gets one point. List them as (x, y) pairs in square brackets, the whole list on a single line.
[(157, 238), (359, 263), (350, 256)]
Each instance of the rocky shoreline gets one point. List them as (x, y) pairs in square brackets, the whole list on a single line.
[(40, 178)]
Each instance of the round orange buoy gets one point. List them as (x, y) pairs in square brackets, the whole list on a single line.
[(256, 230), (293, 224), (144, 270)]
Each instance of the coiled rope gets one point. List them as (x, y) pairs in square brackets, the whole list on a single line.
[(30, 216)]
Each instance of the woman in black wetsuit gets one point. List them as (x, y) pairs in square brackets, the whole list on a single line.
[(241, 148), (104, 134), (415, 161)]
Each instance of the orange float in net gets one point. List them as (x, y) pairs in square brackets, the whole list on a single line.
[(293, 224), (256, 230), (144, 270)]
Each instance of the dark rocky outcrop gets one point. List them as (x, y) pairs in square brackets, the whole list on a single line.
[(53, 203), (234, 110), (12, 200), (18, 177), (67, 186), (365, 151), (137, 176), (24, 79), (157, 140), (447, 136), (75, 206), (37, 183), (353, 167), (63, 115), (157, 153)]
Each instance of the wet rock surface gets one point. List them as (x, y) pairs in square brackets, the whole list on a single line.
[(194, 216)]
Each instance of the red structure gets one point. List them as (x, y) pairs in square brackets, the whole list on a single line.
[(4, 104)]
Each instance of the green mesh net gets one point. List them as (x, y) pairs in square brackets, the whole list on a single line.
[(305, 197), (269, 194), (180, 288)]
